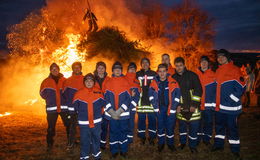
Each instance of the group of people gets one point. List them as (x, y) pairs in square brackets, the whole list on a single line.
[(105, 107)]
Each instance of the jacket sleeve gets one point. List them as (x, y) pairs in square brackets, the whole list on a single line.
[(126, 101), (135, 99), (238, 87), (43, 91), (75, 105), (107, 98), (197, 91), (153, 97), (176, 94)]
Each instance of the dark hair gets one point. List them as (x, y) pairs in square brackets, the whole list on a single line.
[(166, 54), (76, 63), (54, 65), (162, 65), (179, 60), (145, 59), (117, 65), (89, 76), (101, 63), (132, 65)]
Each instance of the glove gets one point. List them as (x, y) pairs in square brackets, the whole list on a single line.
[(113, 114), (119, 112)]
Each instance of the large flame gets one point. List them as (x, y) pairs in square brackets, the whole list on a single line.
[(5, 114), (66, 56)]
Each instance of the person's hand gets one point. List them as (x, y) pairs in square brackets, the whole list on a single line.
[(133, 93), (192, 109), (178, 109)]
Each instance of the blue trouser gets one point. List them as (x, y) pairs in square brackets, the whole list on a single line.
[(227, 123), (104, 132), (131, 125), (192, 133), (166, 125), (142, 125), (206, 125), (118, 136), (90, 142)]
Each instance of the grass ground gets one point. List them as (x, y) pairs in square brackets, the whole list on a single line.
[(22, 136)]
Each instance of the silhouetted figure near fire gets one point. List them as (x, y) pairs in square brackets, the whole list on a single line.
[(51, 91), (92, 21)]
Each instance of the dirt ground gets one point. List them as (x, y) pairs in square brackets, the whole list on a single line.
[(22, 136)]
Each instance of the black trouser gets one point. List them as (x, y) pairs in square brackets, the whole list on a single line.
[(73, 122), (247, 103), (52, 120)]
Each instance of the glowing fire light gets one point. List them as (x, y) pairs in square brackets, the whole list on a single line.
[(5, 114), (66, 56), (30, 101)]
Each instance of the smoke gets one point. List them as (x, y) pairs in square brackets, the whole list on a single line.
[(48, 35)]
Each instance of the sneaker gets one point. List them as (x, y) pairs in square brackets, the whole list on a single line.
[(214, 149), (193, 150), (181, 146), (160, 147), (172, 148)]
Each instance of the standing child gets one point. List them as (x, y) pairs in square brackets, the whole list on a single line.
[(88, 103)]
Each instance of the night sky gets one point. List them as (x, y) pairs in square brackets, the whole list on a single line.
[(237, 21)]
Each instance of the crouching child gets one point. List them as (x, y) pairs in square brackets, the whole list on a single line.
[(88, 103)]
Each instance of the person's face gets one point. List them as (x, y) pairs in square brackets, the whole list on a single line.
[(162, 72), (222, 60), (117, 72), (55, 71), (166, 59), (131, 70), (89, 83), (179, 67), (76, 69), (204, 65), (101, 70), (145, 65)]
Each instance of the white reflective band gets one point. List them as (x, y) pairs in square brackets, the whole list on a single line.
[(123, 141), (107, 114), (140, 131), (232, 96), (71, 109), (210, 104), (169, 136), (51, 108), (63, 107), (151, 98), (145, 111), (133, 103), (193, 138), (234, 141), (161, 135), (96, 155), (140, 78), (145, 107), (156, 110), (84, 157), (196, 98), (207, 135), (172, 111), (87, 122), (129, 136), (167, 88), (111, 143), (181, 134), (107, 106), (150, 77), (154, 131), (124, 107), (177, 99), (199, 134), (124, 114), (230, 108), (220, 136), (102, 141), (134, 109)]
